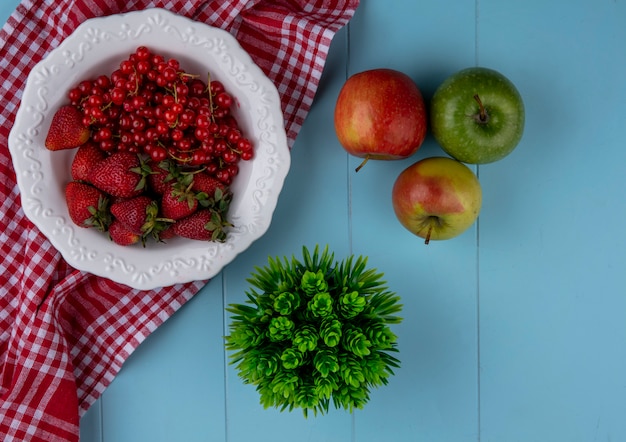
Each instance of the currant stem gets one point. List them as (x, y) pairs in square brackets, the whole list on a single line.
[(367, 158), (208, 85), (483, 113)]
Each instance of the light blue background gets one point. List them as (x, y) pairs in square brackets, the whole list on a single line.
[(514, 331)]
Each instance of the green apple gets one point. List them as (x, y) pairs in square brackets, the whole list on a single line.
[(437, 198), (477, 115)]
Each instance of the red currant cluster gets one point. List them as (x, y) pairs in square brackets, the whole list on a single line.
[(150, 105)]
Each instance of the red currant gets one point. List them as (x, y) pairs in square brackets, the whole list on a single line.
[(177, 134), (216, 87), (230, 156), (143, 67), (170, 116), (223, 100), (143, 53), (198, 158), (185, 144), (127, 67), (104, 134), (108, 145), (182, 90), (75, 94), (169, 74), (158, 154), (233, 170), (173, 63), (150, 105), (197, 87), (85, 87), (177, 108), (244, 145), (233, 136)]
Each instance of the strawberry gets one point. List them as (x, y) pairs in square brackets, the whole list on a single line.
[(66, 129), (139, 215), (177, 203), (120, 174), (203, 225), (87, 206), (162, 176), (118, 199), (209, 191), (207, 184), (219, 200), (120, 235), (87, 156), (167, 233)]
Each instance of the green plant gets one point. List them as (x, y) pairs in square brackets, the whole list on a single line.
[(315, 331)]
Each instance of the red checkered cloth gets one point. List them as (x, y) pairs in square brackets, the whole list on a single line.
[(64, 334)]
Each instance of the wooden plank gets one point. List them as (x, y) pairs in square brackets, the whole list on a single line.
[(172, 387), (552, 285), (434, 394), (91, 423), (312, 209)]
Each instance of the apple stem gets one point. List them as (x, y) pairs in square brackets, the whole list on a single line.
[(367, 157), (430, 229), (483, 113)]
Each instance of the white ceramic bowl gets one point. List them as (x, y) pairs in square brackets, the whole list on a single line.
[(97, 46)]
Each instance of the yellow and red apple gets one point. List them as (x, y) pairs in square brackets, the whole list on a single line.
[(380, 114), (437, 198)]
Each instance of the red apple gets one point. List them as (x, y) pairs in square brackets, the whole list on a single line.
[(437, 198), (380, 114)]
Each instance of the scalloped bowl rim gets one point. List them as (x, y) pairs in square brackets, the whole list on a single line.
[(95, 47)]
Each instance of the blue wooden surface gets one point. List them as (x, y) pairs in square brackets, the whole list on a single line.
[(514, 331)]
